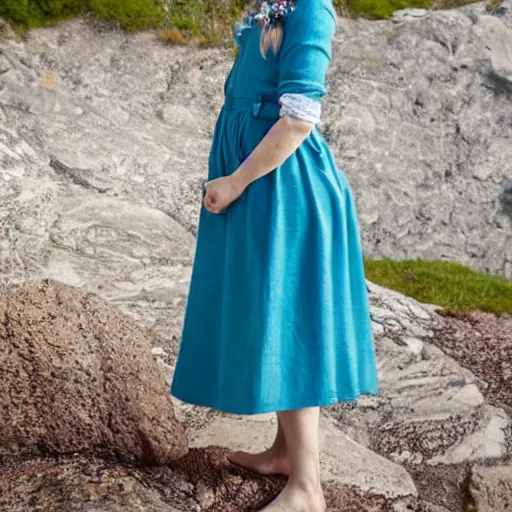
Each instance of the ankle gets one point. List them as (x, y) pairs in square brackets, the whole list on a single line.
[(279, 450), (308, 485)]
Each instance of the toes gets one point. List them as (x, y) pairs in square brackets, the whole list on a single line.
[(238, 457)]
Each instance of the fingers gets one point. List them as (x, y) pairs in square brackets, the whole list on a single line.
[(212, 203), (209, 201), (208, 198)]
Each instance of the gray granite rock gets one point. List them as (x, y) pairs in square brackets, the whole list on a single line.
[(429, 409), (491, 488), (416, 116)]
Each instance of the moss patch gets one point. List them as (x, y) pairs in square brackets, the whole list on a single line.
[(131, 14), (33, 13), (382, 9), (208, 21), (450, 285)]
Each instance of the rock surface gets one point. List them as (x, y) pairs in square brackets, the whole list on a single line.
[(417, 116), (344, 462), (443, 488), (491, 488), (482, 342), (81, 484), (77, 376), (202, 481), (104, 141), (430, 409)]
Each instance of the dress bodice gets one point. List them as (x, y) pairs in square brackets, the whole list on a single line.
[(251, 75), (301, 63)]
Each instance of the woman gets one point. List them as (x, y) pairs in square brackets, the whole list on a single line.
[(277, 317)]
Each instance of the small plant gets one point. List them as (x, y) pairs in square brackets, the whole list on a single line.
[(211, 40), (208, 21), (172, 35), (492, 5)]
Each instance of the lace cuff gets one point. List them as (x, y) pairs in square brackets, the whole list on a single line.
[(301, 107)]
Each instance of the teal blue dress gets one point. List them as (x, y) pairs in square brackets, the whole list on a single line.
[(277, 316)]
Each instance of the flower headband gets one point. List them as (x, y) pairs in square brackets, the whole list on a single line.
[(270, 13)]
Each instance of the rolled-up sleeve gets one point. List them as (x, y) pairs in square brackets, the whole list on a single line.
[(304, 58)]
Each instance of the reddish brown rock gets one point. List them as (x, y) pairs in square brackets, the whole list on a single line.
[(442, 486), (481, 342), (87, 484), (76, 375), (201, 480), (222, 487), (341, 498)]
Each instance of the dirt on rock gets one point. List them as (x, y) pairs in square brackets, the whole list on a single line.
[(203, 480), (78, 483), (482, 342), (442, 486)]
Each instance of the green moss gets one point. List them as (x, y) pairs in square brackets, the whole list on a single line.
[(211, 21), (185, 15), (131, 14), (450, 4), (30, 13), (450, 285), (383, 8)]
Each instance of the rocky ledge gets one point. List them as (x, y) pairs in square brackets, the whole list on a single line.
[(104, 140)]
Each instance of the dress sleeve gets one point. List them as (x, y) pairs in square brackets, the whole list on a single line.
[(304, 58)]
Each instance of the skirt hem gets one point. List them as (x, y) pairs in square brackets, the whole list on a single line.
[(266, 408)]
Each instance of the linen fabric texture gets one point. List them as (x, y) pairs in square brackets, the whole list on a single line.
[(277, 315)]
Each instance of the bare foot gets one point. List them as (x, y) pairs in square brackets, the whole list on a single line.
[(294, 498), (269, 462)]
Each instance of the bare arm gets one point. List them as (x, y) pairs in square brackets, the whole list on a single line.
[(279, 143), (304, 58)]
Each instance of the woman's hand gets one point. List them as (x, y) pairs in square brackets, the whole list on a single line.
[(221, 192)]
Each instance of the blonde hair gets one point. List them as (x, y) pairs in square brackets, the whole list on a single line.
[(271, 38)]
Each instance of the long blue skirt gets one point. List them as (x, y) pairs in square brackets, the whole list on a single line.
[(277, 316)]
